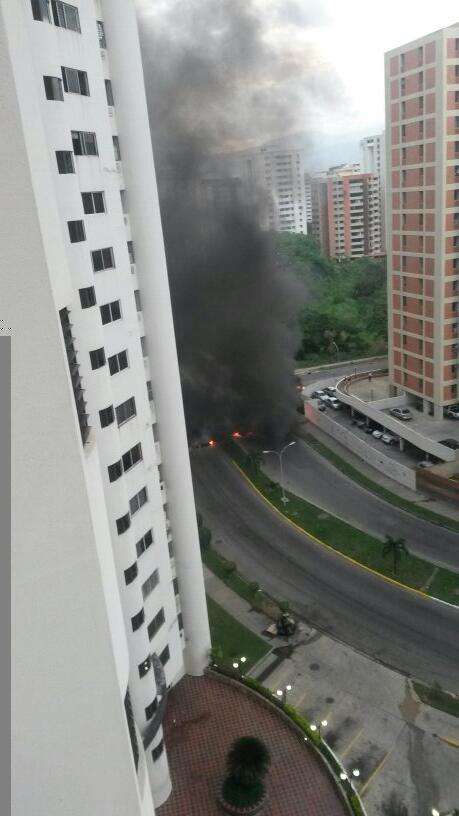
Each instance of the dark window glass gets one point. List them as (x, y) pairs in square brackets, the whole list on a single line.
[(144, 667), (165, 655), (110, 312), (138, 501), (138, 303), (64, 160), (106, 416), (156, 624), (116, 148), (102, 259), (149, 585), (109, 92), (137, 620), (125, 411), (156, 753), (118, 362), (75, 81), (87, 297), (65, 15), (144, 543), (132, 456), (53, 88), (101, 34), (84, 143), (41, 10), (130, 247), (115, 471), (131, 573), (180, 620), (150, 391), (93, 203), (97, 358), (175, 585), (150, 709), (76, 231), (123, 524)]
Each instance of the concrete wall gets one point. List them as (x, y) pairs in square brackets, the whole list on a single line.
[(378, 459), (438, 485)]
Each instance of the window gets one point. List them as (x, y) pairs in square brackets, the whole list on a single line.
[(65, 15), (138, 501), (149, 390), (103, 259), (456, 170), (138, 302), (93, 203), (110, 312), (76, 231), (156, 624), (131, 728), (53, 88), (116, 148), (97, 358), (75, 81), (456, 71), (144, 667), (41, 10), (156, 753), (456, 122), (132, 456), (456, 97), (144, 543), (180, 620), (150, 583), (130, 247), (64, 160), (115, 471), (150, 709), (123, 524), (106, 416), (175, 585), (137, 620), (165, 655), (125, 411), (456, 241), (131, 573), (84, 143), (143, 346), (109, 92), (118, 362), (87, 297), (101, 34)]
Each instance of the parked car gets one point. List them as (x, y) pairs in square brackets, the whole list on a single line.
[(453, 412), (371, 428), (426, 463), (330, 390), (401, 413), (379, 433), (450, 443), (389, 439), (334, 403), (318, 394), (321, 406), (360, 423)]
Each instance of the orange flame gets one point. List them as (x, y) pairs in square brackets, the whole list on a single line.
[(212, 443), (236, 435)]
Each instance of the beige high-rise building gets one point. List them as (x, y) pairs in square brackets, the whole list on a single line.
[(422, 188)]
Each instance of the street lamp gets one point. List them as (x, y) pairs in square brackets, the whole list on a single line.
[(282, 693), (337, 350), (284, 498), (318, 728), (435, 812), (236, 664)]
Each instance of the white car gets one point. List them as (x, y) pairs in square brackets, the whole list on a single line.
[(426, 463), (401, 413), (333, 403), (389, 439), (378, 434), (453, 412)]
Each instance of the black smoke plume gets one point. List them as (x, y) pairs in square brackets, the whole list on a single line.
[(217, 84)]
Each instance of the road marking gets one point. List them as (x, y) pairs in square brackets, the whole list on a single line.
[(376, 770), (337, 552), (351, 743), (450, 741)]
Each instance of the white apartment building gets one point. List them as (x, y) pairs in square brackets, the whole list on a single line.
[(108, 599), (373, 160)]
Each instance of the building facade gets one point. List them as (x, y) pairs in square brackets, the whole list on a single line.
[(109, 605), (373, 160), (346, 217), (422, 184)]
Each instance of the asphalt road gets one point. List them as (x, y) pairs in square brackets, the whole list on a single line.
[(340, 370), (309, 475), (415, 635)]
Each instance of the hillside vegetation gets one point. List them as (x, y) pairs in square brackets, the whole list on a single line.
[(345, 302)]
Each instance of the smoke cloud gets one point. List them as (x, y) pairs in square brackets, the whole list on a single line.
[(223, 76)]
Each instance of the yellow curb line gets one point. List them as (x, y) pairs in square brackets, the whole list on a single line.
[(328, 546), (449, 741), (376, 770)]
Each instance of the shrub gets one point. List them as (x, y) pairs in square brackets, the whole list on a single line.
[(242, 797), (254, 586), (248, 761), (229, 567), (205, 538)]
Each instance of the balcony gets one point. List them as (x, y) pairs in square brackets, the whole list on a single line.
[(161, 688)]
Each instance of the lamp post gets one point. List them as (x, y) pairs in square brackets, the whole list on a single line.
[(282, 693), (318, 728), (347, 782), (284, 498), (337, 350), (238, 663)]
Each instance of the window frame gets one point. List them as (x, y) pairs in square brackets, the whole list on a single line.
[(62, 12), (118, 362), (96, 356), (89, 197), (109, 93), (53, 88), (84, 139), (91, 300), (122, 407), (41, 11), (131, 573), (76, 78), (137, 501), (77, 231), (138, 620), (155, 624), (144, 543), (112, 310), (62, 160), (123, 523), (130, 456), (105, 414), (150, 584)]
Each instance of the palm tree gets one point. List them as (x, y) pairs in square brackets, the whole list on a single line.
[(247, 763), (396, 547)]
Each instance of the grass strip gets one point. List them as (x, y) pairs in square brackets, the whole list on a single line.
[(437, 698), (378, 490), (231, 640), (412, 571), (249, 591)]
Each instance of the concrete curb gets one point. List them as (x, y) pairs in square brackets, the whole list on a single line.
[(325, 366)]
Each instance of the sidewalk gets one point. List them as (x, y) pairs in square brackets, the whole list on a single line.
[(374, 720)]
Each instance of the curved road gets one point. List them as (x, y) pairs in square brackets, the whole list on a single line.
[(309, 475), (415, 635)]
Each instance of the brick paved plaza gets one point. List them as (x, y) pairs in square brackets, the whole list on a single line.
[(204, 716)]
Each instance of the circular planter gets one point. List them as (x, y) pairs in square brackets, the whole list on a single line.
[(258, 807)]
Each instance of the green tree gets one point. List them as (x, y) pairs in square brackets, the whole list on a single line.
[(395, 547), (247, 764)]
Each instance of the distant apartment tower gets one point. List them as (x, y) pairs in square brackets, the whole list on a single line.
[(108, 596), (373, 160), (308, 201), (279, 175), (422, 136), (346, 217)]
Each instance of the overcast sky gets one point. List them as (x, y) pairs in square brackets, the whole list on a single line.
[(353, 37)]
